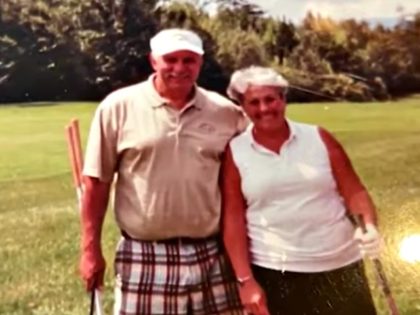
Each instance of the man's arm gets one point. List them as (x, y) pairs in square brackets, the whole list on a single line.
[(94, 205), (355, 195)]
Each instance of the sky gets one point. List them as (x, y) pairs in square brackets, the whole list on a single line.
[(295, 10)]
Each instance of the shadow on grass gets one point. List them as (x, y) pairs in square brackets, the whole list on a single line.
[(43, 103)]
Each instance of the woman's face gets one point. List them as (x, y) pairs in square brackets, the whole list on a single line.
[(265, 106)]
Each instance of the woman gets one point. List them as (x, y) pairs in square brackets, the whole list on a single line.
[(288, 189)]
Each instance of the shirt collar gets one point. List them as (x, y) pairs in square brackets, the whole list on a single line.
[(292, 128), (159, 101), (256, 145)]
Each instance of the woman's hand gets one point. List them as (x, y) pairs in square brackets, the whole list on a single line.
[(253, 297), (370, 242)]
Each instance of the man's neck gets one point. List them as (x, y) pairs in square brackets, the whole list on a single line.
[(177, 98)]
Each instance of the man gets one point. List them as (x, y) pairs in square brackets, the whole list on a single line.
[(163, 138)]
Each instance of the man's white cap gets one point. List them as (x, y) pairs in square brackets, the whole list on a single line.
[(175, 39)]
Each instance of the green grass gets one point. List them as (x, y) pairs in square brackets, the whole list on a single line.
[(39, 225)]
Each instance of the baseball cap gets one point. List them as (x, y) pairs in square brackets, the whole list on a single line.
[(175, 39)]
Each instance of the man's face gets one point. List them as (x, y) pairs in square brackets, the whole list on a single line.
[(177, 70)]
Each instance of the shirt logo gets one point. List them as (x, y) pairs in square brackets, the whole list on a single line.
[(206, 127)]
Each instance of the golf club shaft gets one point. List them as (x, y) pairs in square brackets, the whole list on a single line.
[(92, 303), (382, 279)]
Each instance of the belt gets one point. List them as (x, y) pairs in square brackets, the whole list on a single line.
[(176, 240)]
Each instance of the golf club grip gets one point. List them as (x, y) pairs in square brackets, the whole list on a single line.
[(77, 144), (72, 155), (360, 222)]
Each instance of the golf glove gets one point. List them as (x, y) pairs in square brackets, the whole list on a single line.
[(370, 242)]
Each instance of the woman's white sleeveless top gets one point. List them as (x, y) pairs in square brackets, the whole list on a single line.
[(295, 215)]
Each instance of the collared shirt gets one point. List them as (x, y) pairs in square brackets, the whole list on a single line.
[(167, 161), (296, 218)]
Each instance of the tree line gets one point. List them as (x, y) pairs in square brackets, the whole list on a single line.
[(82, 50)]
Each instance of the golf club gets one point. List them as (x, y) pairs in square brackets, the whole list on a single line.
[(382, 279)]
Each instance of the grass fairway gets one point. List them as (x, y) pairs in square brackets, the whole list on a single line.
[(39, 225)]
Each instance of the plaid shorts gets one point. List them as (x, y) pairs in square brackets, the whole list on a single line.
[(168, 278)]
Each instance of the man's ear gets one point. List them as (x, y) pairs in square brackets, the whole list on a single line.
[(152, 61)]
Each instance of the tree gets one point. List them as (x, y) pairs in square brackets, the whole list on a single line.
[(40, 61), (73, 49)]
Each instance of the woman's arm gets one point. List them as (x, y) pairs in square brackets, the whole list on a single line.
[(235, 237), (233, 218), (355, 195)]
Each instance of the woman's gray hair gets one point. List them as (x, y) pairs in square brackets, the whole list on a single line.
[(254, 75)]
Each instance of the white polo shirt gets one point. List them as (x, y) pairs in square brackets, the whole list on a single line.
[(296, 217)]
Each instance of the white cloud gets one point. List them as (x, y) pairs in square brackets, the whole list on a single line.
[(339, 9)]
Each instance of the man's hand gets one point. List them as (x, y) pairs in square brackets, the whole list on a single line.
[(92, 262), (253, 298), (92, 269), (370, 242)]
